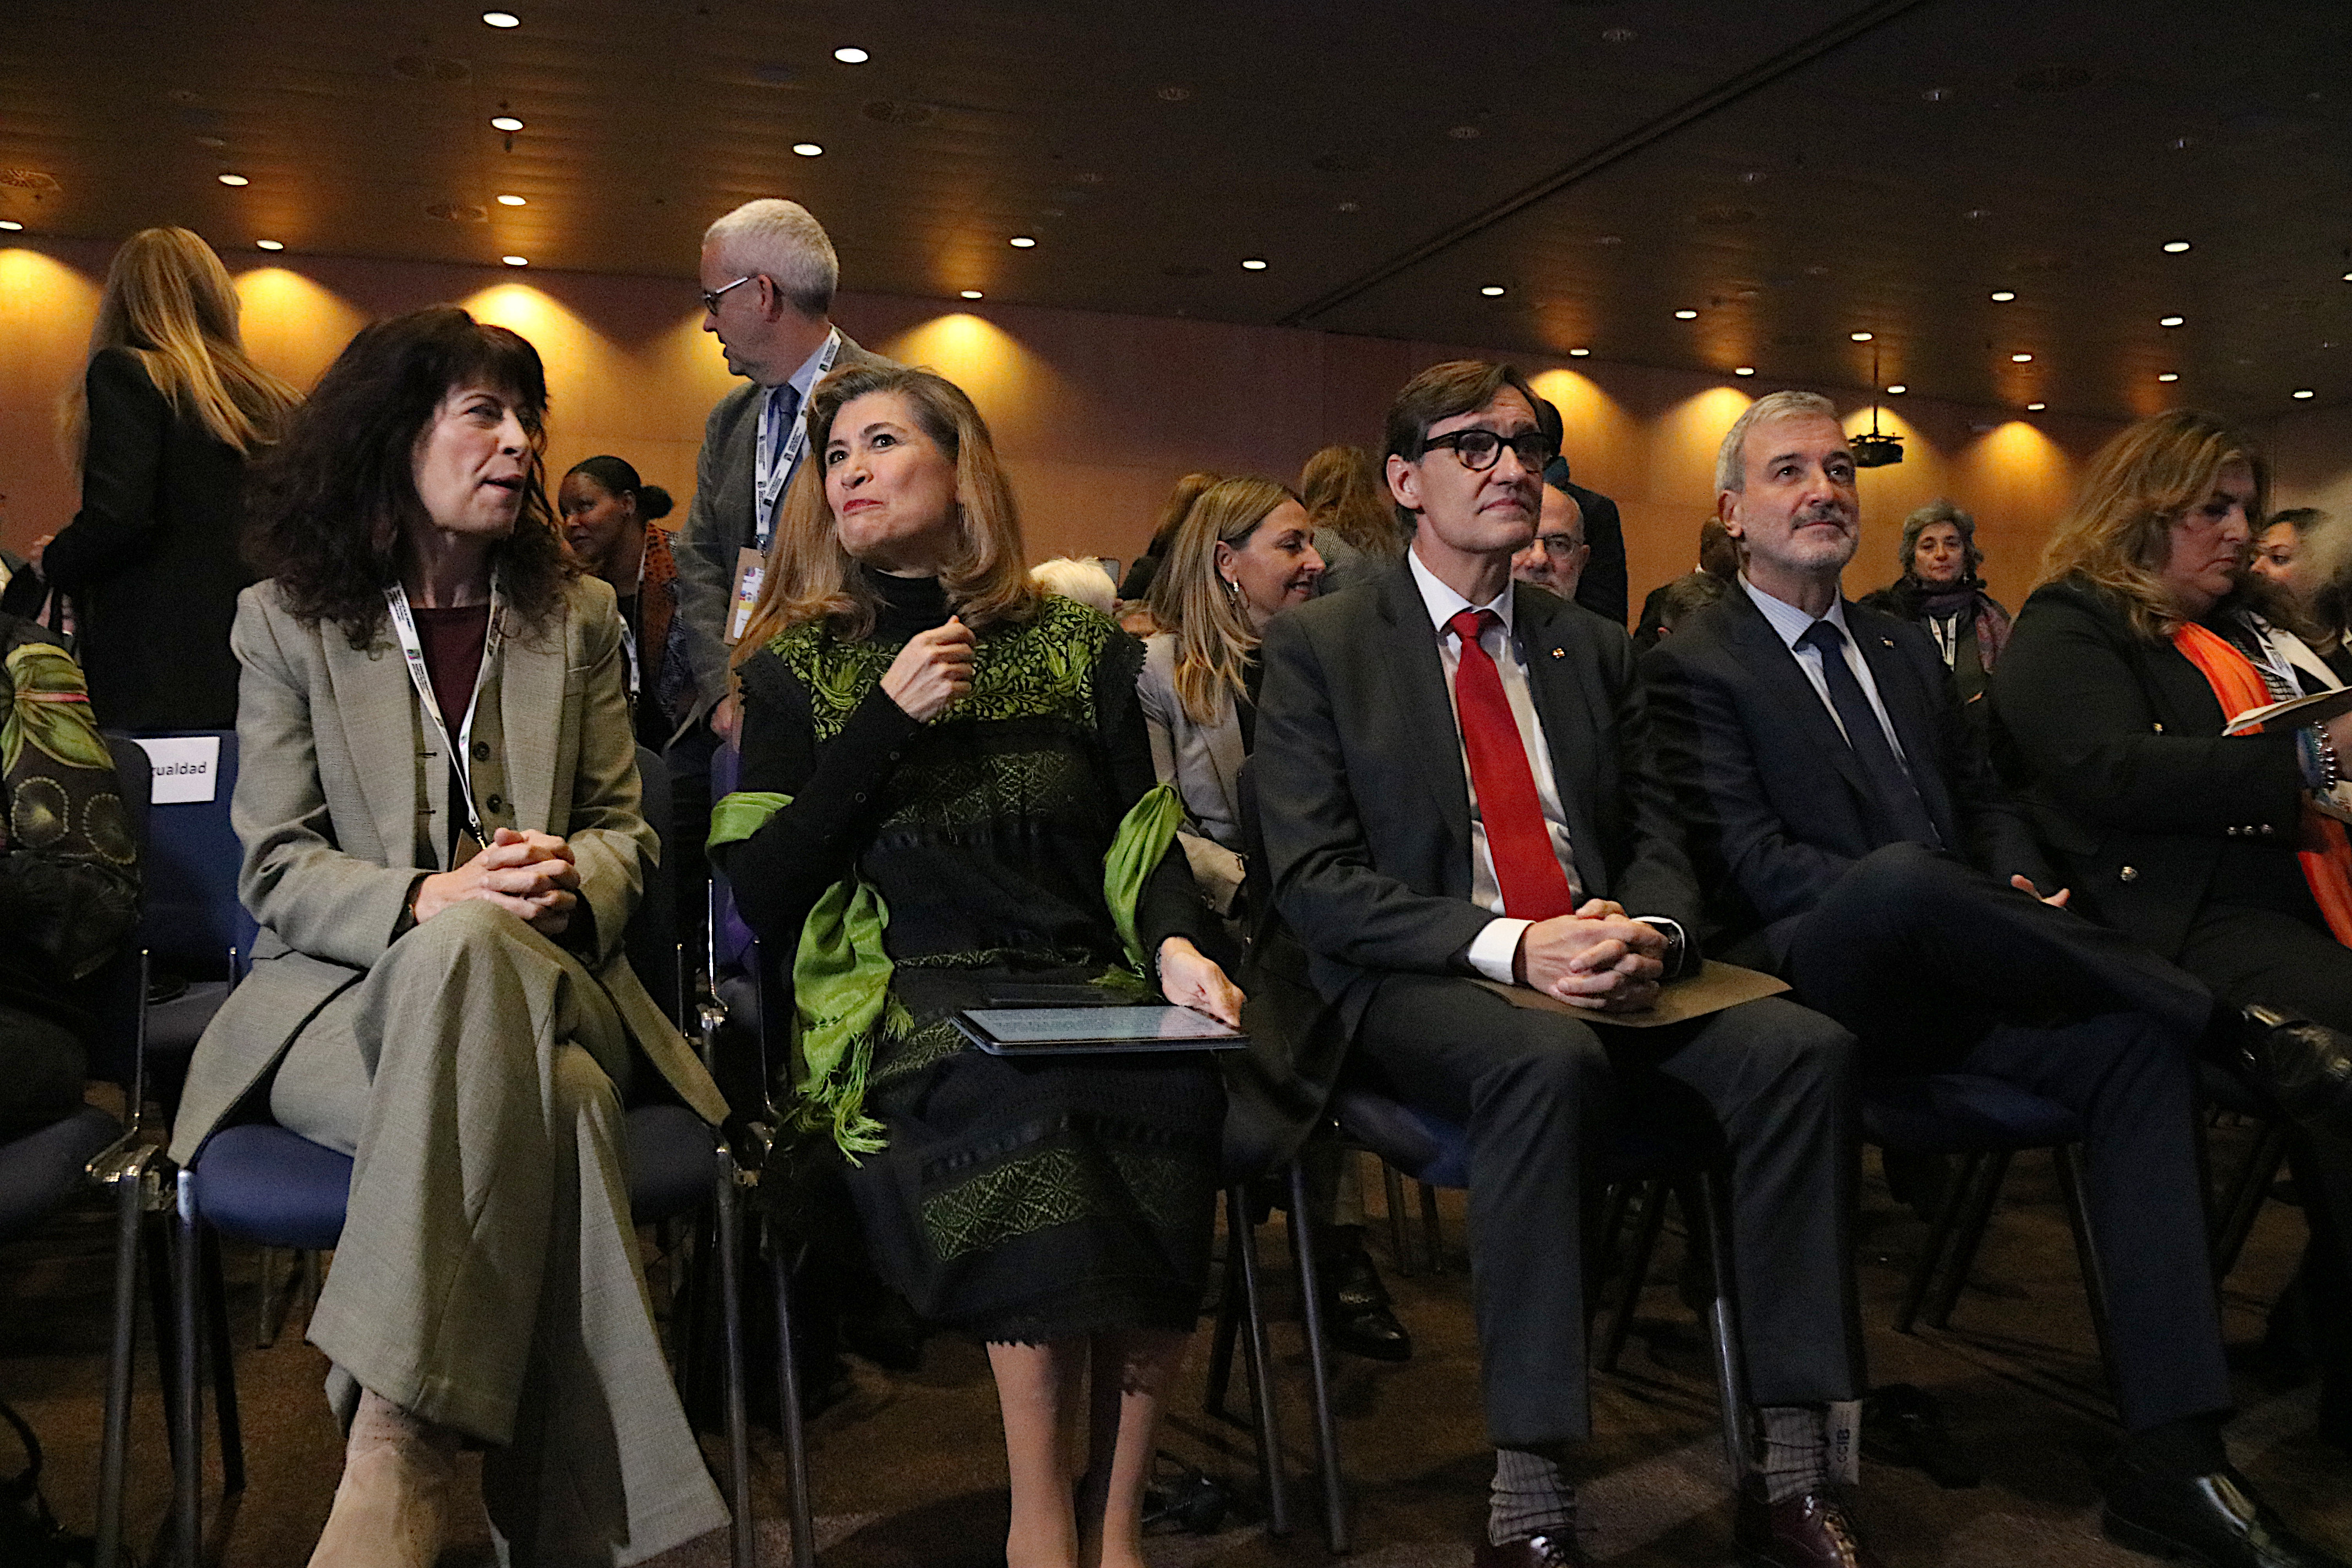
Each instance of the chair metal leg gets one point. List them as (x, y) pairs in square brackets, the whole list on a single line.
[(1939, 1239), (2071, 1178), (187, 1463), (1400, 1244), (1242, 1239), (730, 1306), (1318, 1363), (1971, 1236), (1637, 1273), (2247, 1193), (1723, 1318), (787, 1384), (129, 1214), (1228, 1329), (222, 1350), (1432, 1234)]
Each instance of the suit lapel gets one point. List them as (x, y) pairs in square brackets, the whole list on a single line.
[(373, 704), (530, 714), (1907, 710), (1785, 684), (1409, 647), (1564, 708)]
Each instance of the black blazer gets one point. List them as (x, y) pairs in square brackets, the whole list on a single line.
[(1603, 588), (151, 560), (1366, 808), (2114, 741), (1771, 796)]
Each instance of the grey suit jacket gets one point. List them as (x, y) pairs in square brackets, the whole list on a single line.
[(720, 523), (340, 800), (1204, 761)]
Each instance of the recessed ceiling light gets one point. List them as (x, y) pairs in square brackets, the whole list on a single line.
[(1685, 315), (1897, 390), (1578, 354), (502, 18), (970, 293), (2170, 376), (505, 123), (1492, 291), (2171, 320), (2003, 296), (1743, 370), (2021, 359), (11, 224), (2305, 392), (516, 260), (510, 200), (1860, 337), (270, 244), (235, 180), (850, 55), (808, 148), (1253, 263), (1021, 242), (2174, 247), (2035, 407)]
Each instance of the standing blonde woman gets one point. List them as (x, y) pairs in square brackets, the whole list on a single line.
[(170, 410)]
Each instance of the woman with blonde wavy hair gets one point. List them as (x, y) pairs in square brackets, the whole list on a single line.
[(170, 410), (946, 790)]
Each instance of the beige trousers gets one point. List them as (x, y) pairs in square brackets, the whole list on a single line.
[(487, 1278)]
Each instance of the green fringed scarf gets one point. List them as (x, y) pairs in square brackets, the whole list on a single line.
[(841, 974)]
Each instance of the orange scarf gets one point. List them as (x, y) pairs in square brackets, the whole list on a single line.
[(2324, 851)]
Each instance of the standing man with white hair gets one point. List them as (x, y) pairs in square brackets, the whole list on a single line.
[(768, 278)]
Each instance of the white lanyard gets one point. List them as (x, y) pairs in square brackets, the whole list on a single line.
[(1948, 638), (775, 468), (629, 634), (404, 624)]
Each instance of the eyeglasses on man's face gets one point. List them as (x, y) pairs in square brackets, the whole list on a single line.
[(1481, 449), (710, 296), (1559, 546)]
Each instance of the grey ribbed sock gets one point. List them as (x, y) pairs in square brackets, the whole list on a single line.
[(1796, 1451), (1532, 1496)]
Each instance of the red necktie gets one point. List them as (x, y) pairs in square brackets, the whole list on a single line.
[(1533, 886)]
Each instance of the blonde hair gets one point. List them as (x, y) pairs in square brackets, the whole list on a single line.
[(1731, 458), (1079, 577), (1343, 490), (2117, 535), (169, 300), (1214, 638), (811, 578)]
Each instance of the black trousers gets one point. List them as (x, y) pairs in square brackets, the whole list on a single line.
[(1936, 967), (1537, 1091), (2285, 959)]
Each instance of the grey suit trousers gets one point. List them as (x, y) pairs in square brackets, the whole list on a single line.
[(487, 1278)]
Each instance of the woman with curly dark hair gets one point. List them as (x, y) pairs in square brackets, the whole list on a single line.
[(438, 800)]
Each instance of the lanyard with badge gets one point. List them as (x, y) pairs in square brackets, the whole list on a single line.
[(775, 468), (460, 756)]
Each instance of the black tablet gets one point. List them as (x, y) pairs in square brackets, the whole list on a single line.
[(1085, 1031)]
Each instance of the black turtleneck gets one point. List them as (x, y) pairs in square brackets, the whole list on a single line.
[(909, 604)]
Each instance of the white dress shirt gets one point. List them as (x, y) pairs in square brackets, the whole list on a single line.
[(1793, 622), (776, 431)]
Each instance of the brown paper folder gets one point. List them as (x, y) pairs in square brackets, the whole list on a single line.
[(1715, 987)]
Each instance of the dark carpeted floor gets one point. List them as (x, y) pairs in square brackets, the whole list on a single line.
[(909, 1468)]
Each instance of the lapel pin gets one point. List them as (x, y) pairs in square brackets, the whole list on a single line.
[(1560, 653), (1888, 641)]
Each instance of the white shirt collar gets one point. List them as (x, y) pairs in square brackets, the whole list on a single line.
[(1790, 622), (1444, 603)]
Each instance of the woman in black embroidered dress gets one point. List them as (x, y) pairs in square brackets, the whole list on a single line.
[(936, 760)]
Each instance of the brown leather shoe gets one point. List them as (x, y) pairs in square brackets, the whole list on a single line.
[(1813, 1530), (1529, 1551)]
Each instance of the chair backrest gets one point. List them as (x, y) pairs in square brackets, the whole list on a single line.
[(114, 993), (193, 915), (732, 940), (651, 942)]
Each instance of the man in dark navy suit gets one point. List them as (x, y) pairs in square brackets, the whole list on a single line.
[(1854, 839), (1455, 783)]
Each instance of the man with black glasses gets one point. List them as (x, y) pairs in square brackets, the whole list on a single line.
[(1456, 785)]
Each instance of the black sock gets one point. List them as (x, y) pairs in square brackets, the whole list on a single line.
[(2190, 1446)]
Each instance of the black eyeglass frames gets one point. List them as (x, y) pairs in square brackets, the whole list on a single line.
[(1482, 450)]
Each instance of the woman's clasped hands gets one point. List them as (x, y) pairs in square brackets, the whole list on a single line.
[(530, 875)]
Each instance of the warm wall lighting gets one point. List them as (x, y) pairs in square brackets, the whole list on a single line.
[(2170, 376), (516, 260), (1022, 242), (970, 293), (1860, 337), (2003, 296), (808, 148), (1897, 390), (1253, 263), (1743, 370), (2035, 407), (511, 201), (2174, 247), (2172, 320), (270, 245), (505, 122), (1685, 315), (2021, 359), (850, 55), (2305, 392), (235, 180), (502, 18), (1578, 354)]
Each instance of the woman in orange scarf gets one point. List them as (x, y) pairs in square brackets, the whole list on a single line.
[(2146, 640)]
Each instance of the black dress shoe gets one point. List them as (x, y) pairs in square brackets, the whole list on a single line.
[(1529, 1551), (2307, 1065), (1356, 1316), (2214, 1520)]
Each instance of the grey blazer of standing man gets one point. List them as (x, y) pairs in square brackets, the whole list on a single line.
[(342, 799), (720, 522)]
